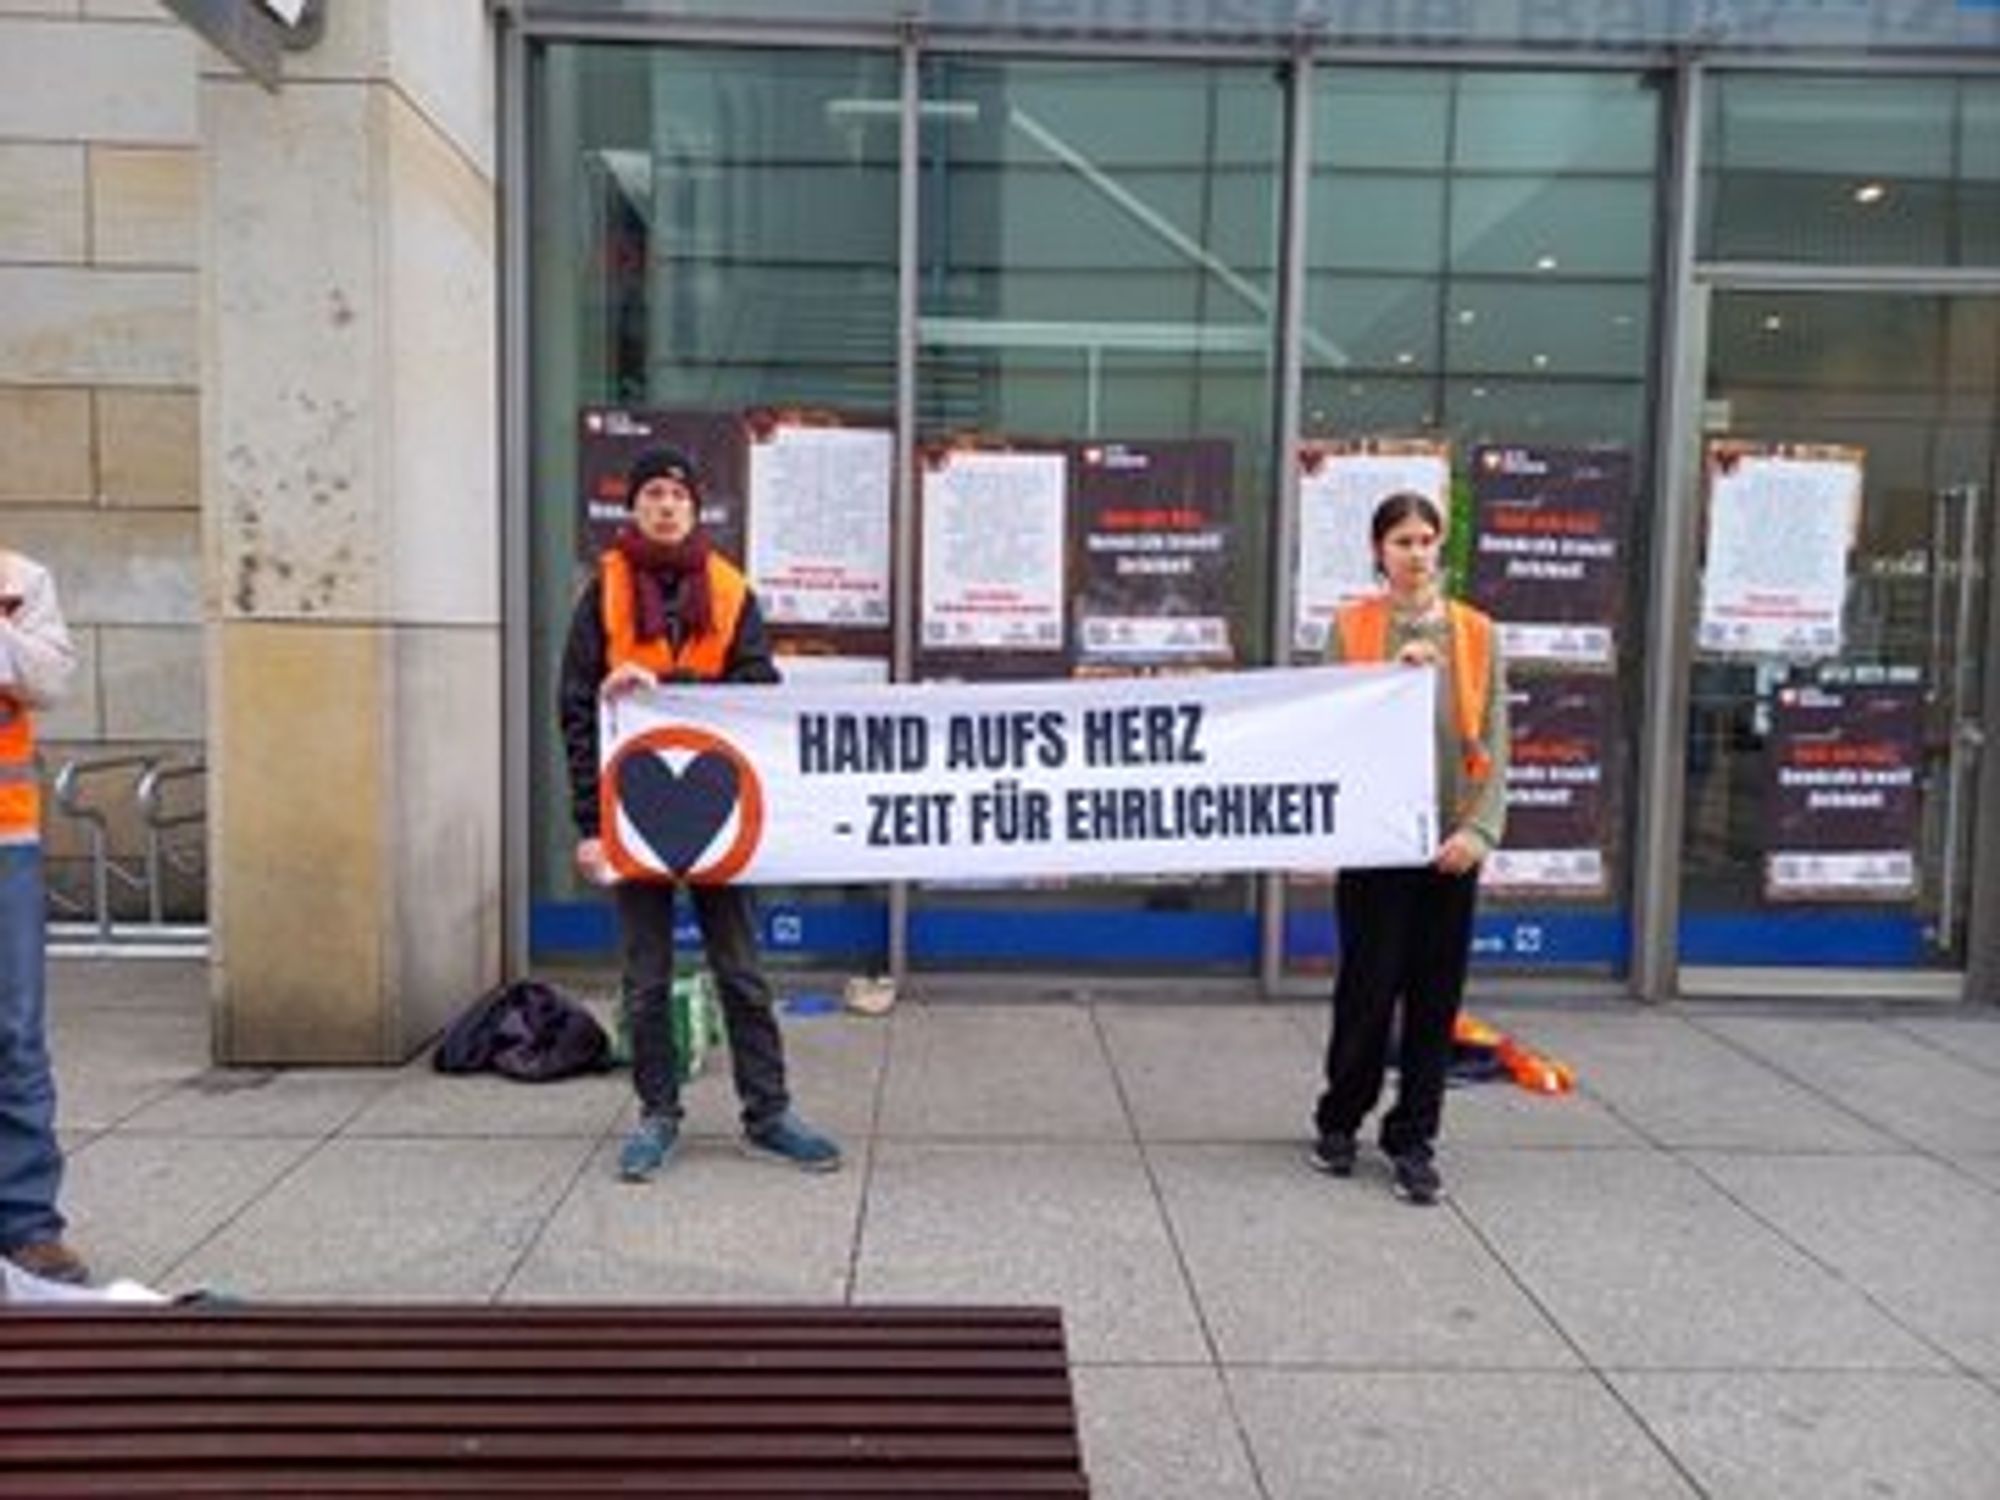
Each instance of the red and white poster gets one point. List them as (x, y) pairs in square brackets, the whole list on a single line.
[(991, 575), (1340, 484), (1781, 522)]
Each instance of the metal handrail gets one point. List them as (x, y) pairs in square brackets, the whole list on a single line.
[(150, 795), (69, 789)]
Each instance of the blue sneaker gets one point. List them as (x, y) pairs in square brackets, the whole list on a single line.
[(789, 1139), (647, 1148)]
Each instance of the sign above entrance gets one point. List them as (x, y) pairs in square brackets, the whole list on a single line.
[(1763, 26), (255, 34)]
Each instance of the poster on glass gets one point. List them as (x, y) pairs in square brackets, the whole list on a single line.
[(1562, 788), (1341, 481), (1548, 554), (991, 567), (1153, 555), (1842, 796), (1782, 519)]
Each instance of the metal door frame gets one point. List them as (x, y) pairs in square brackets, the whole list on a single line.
[(1659, 971)]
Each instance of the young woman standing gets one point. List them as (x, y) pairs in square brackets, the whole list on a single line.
[(1406, 932)]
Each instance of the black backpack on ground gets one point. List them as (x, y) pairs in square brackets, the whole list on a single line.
[(526, 1030)]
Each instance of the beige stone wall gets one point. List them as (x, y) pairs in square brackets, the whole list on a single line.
[(99, 404), (350, 419)]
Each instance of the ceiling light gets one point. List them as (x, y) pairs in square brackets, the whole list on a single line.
[(1466, 315), (1406, 358), (1870, 192), (1772, 322), (1541, 361), (1545, 263)]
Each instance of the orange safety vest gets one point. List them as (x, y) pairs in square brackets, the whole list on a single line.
[(20, 779), (704, 656), (1364, 636)]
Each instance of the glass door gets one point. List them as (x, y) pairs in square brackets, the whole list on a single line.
[(1846, 484)]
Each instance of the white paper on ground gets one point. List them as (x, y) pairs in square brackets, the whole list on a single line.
[(23, 1289)]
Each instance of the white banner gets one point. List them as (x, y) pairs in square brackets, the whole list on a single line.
[(1299, 769)]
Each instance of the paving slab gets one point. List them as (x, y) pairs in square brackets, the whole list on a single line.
[(1447, 1436), (715, 1226), (1908, 1231), (138, 1204), (391, 1220), (1973, 1039), (1646, 1264), (1984, 1165), (1676, 1085), (152, 984), (1904, 1086), (1212, 1072), (1072, 1223), (1157, 1432), (1499, 1112), (109, 1066), (834, 1065), (420, 1101), (1293, 1267), (311, 1102), (1825, 1436), (1019, 1072)]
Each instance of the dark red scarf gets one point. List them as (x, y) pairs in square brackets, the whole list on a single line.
[(656, 568)]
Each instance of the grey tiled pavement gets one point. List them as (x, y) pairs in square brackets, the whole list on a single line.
[(1757, 1255)]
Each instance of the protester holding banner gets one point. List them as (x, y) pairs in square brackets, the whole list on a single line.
[(1406, 932), (666, 606)]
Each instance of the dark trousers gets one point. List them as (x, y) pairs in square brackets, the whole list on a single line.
[(1405, 938), (728, 921)]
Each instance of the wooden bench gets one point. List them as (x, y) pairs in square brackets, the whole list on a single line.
[(382, 1400)]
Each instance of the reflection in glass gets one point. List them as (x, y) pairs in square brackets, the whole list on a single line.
[(1864, 171), (1481, 251), (1099, 247), (711, 230), (1888, 375)]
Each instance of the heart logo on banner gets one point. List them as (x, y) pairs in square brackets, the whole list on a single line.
[(678, 813)]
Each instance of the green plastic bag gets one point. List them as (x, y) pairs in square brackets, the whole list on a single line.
[(697, 1021), (695, 1016)]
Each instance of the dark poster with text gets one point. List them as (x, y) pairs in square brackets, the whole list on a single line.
[(1548, 560), (1842, 803), (1561, 791), (1151, 554), (610, 437)]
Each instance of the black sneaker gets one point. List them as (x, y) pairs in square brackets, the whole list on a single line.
[(1333, 1155), (1417, 1179)]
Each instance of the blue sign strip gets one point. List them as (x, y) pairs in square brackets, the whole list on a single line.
[(1114, 936), (1804, 939), (846, 931), (850, 931), (1514, 938)]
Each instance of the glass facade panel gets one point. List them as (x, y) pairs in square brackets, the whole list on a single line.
[(1099, 262), (1851, 171), (715, 229), (1830, 801), (1518, 213), (712, 230)]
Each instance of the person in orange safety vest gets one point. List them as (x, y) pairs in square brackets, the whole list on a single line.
[(36, 662), (1406, 933), (667, 607)]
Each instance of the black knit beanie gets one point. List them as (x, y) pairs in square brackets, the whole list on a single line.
[(661, 463)]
